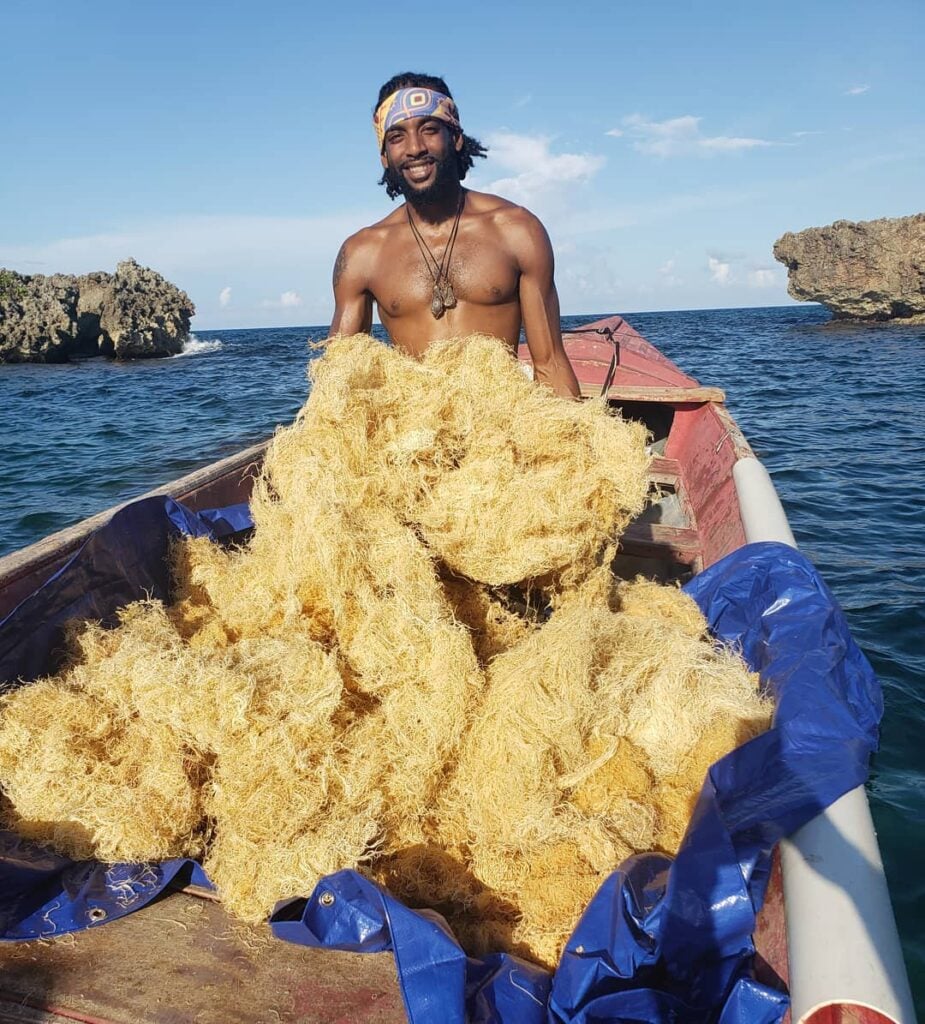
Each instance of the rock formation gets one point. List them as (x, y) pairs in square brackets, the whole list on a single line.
[(132, 314), (37, 317), (870, 270)]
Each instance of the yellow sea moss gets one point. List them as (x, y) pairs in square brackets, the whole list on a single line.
[(571, 746), (81, 774), (282, 818), (492, 623), (646, 599), (542, 484), (504, 481), (419, 665)]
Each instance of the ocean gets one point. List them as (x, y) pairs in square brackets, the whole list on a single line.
[(832, 410)]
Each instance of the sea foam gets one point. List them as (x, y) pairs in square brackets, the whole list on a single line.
[(199, 347)]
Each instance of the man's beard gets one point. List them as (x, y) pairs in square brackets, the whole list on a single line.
[(446, 180)]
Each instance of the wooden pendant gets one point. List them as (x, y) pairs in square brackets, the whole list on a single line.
[(444, 298)]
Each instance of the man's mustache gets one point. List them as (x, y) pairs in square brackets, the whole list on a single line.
[(418, 163)]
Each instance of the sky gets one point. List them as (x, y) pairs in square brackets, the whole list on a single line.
[(665, 146)]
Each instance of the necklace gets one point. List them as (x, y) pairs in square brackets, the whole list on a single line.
[(443, 296)]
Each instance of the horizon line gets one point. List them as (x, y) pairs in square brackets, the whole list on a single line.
[(562, 316)]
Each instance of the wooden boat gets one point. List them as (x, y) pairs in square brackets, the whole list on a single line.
[(826, 931)]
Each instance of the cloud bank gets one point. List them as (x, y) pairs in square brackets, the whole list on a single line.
[(680, 136), (534, 169)]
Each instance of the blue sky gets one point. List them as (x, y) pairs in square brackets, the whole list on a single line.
[(665, 145)]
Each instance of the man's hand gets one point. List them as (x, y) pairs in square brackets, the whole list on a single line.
[(353, 303), (539, 306)]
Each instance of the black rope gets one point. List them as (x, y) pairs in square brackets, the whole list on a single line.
[(608, 333)]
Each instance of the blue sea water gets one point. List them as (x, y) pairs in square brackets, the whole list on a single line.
[(834, 412)]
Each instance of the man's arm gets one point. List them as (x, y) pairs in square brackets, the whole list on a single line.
[(539, 305), (353, 303)]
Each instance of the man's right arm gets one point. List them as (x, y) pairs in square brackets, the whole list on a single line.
[(353, 302)]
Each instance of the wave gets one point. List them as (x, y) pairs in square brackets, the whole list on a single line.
[(199, 347)]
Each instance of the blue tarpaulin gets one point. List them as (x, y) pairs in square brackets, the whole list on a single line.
[(663, 940)]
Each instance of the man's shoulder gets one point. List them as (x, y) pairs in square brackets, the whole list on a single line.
[(373, 234), (518, 230), (502, 213)]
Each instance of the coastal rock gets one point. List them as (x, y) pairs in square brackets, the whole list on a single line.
[(143, 315), (866, 270), (134, 313), (91, 295), (37, 318)]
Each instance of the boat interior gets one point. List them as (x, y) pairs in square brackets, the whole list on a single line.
[(218, 970)]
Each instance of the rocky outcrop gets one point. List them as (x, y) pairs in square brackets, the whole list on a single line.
[(143, 315), (869, 270), (36, 317), (132, 314)]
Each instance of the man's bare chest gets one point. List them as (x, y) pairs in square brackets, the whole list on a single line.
[(479, 270)]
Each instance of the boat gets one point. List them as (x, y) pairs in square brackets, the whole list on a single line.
[(825, 934)]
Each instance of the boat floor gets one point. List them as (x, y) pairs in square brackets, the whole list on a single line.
[(184, 959), (663, 542)]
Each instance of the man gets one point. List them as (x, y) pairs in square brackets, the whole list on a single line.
[(449, 261)]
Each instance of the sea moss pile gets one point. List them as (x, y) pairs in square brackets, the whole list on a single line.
[(419, 666)]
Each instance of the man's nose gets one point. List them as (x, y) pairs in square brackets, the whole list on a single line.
[(416, 145)]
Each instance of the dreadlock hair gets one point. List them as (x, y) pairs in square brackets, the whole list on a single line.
[(471, 147)]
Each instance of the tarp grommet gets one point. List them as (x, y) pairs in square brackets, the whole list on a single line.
[(326, 899)]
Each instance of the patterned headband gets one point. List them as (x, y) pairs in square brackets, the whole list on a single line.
[(415, 102)]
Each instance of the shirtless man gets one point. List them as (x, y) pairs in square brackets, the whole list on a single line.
[(449, 261)]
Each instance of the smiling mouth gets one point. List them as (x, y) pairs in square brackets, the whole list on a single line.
[(418, 173)]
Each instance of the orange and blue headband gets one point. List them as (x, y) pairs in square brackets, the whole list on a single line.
[(414, 102)]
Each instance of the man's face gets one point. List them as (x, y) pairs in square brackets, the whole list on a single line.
[(420, 156)]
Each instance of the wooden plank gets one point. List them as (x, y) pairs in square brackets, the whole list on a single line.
[(652, 539), (661, 468), (184, 959), (626, 393), (702, 440), (770, 936)]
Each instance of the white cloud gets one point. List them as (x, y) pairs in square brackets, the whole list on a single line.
[(200, 254), (224, 297), (857, 90), (728, 144), (800, 135), (681, 136), (287, 300), (534, 168), (720, 270), (615, 132), (523, 101), (762, 278), (668, 278)]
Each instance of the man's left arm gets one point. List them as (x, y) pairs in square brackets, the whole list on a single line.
[(539, 305)]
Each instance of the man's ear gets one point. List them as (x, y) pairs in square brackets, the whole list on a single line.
[(459, 142), (384, 160)]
